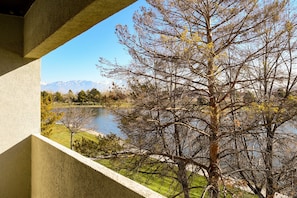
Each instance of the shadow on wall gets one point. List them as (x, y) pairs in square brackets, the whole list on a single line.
[(15, 170), (60, 172), (10, 61)]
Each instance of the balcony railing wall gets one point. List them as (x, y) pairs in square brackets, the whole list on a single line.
[(60, 172)]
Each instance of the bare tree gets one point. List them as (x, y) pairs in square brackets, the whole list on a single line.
[(161, 127), (75, 119), (195, 53), (265, 155)]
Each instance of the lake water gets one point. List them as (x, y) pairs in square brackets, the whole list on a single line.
[(105, 122)]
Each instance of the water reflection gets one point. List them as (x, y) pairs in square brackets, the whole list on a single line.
[(105, 122)]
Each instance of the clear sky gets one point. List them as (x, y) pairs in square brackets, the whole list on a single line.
[(77, 59)]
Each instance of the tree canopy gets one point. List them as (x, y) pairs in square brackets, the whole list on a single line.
[(203, 79), (48, 117)]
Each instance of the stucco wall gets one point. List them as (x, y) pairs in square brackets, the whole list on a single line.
[(15, 170), (11, 34), (51, 28), (60, 172), (43, 29), (19, 118), (20, 102)]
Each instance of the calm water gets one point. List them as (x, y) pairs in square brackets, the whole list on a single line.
[(105, 122)]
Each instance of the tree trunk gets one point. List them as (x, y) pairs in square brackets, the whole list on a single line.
[(214, 164), (182, 169), (71, 139), (183, 179), (268, 163), (214, 120), (213, 139)]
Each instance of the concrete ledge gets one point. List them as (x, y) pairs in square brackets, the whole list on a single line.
[(60, 172), (11, 34), (15, 170), (49, 24)]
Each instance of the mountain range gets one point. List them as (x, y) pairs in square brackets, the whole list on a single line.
[(75, 86)]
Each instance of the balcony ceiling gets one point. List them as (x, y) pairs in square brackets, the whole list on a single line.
[(15, 7)]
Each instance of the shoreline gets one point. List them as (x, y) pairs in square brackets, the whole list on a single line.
[(112, 106), (93, 132)]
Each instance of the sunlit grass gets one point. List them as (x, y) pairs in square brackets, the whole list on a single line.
[(163, 185), (61, 135), (67, 105), (168, 186)]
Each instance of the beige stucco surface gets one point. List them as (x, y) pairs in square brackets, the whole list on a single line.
[(20, 109), (60, 172), (11, 34), (15, 170), (30, 166), (20, 102), (52, 23), (19, 118)]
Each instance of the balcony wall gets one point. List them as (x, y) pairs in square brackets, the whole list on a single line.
[(20, 112), (32, 166), (60, 172)]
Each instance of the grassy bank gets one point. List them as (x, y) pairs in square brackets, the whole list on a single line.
[(168, 186), (165, 186), (112, 105), (67, 105), (61, 135)]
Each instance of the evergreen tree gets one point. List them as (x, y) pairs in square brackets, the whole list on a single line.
[(94, 96), (82, 97), (48, 116), (58, 97)]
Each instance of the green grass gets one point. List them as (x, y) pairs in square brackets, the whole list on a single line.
[(165, 185), (154, 182), (116, 104), (162, 185), (61, 135), (67, 105)]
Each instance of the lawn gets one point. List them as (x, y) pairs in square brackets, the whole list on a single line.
[(61, 135), (162, 185), (165, 185)]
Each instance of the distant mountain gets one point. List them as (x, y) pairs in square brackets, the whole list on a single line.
[(75, 86)]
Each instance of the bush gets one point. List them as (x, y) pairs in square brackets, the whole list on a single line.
[(86, 147), (107, 146)]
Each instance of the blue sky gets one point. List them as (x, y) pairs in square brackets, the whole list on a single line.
[(77, 59)]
